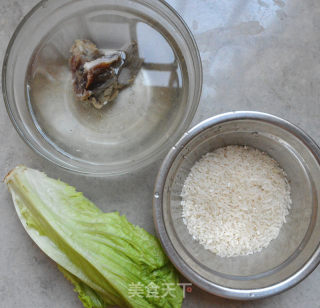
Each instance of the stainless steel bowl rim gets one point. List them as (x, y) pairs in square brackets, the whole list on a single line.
[(240, 294)]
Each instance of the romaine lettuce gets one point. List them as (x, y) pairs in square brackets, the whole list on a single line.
[(109, 260)]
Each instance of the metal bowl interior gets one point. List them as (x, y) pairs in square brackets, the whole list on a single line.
[(144, 121), (290, 257)]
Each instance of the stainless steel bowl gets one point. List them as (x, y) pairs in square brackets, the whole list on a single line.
[(289, 258)]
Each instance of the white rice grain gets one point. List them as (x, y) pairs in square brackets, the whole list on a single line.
[(235, 200)]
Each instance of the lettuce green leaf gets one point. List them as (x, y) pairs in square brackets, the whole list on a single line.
[(108, 260)]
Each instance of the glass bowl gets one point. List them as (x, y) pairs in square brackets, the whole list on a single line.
[(144, 121), (292, 255)]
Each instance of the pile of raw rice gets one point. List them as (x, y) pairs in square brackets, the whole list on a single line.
[(235, 200)]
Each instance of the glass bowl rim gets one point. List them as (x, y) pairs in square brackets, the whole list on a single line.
[(139, 164)]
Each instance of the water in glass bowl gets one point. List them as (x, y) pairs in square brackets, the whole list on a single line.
[(138, 121)]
